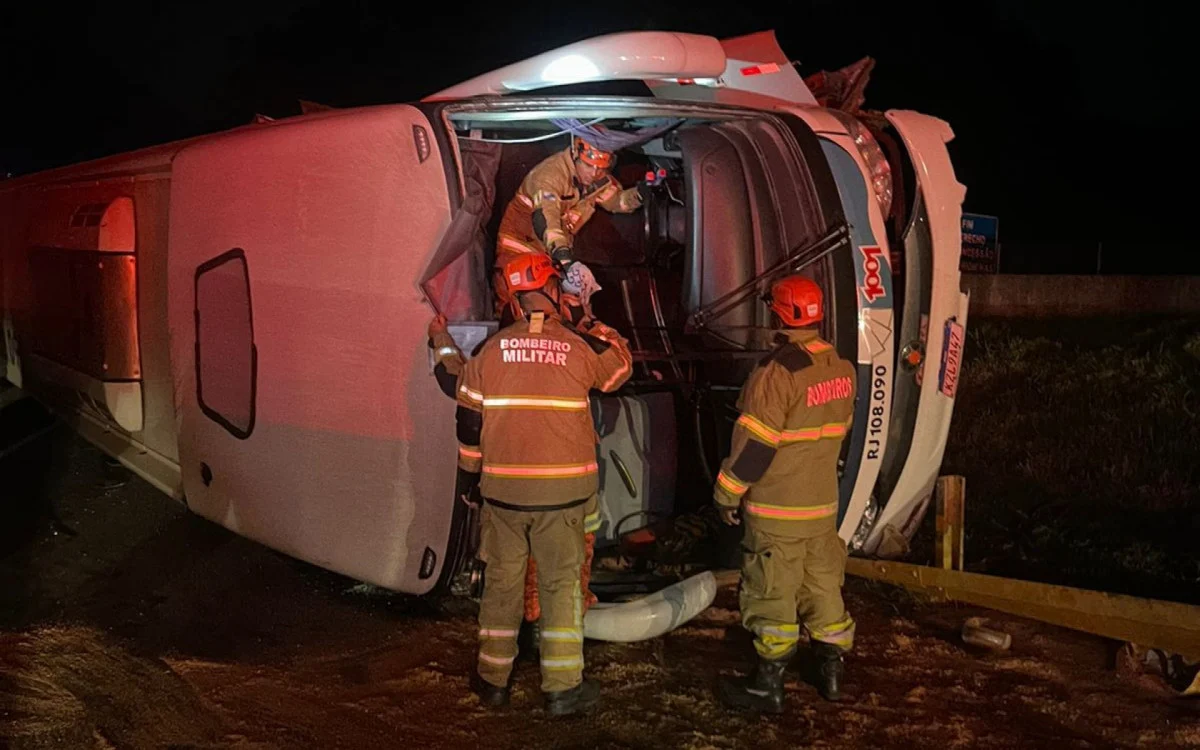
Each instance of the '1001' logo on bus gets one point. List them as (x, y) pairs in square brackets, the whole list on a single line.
[(872, 287)]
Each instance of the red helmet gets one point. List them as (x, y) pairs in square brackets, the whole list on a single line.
[(798, 301), (589, 154), (529, 272)]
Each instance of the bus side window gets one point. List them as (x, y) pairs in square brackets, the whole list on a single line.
[(226, 358)]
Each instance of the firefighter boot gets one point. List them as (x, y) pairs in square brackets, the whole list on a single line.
[(829, 670), (489, 694), (762, 691), (576, 700)]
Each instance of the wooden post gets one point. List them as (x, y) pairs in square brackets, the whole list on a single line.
[(948, 541)]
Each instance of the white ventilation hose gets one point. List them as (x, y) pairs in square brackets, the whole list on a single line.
[(652, 615)]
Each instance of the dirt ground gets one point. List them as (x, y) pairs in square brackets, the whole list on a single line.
[(129, 623)]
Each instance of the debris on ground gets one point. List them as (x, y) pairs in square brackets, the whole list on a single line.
[(1171, 672), (976, 632)]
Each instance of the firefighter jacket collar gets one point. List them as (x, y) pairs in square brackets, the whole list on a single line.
[(797, 335)]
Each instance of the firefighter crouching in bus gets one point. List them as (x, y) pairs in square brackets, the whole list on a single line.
[(526, 435), (781, 478), (554, 201)]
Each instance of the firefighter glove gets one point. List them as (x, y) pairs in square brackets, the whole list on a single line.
[(563, 255)]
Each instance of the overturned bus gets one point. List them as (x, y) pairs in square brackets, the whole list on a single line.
[(240, 318)]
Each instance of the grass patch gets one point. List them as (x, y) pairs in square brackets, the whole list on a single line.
[(1079, 441)]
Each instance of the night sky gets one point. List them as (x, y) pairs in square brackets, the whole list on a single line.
[(1073, 126)]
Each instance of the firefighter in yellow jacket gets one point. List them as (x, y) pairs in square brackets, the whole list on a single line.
[(781, 477), (525, 431), (554, 201)]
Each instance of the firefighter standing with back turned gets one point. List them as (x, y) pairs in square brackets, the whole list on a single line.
[(449, 363), (526, 436), (781, 477)]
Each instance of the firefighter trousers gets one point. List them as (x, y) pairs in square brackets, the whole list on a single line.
[(789, 581), (591, 524), (554, 538)]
